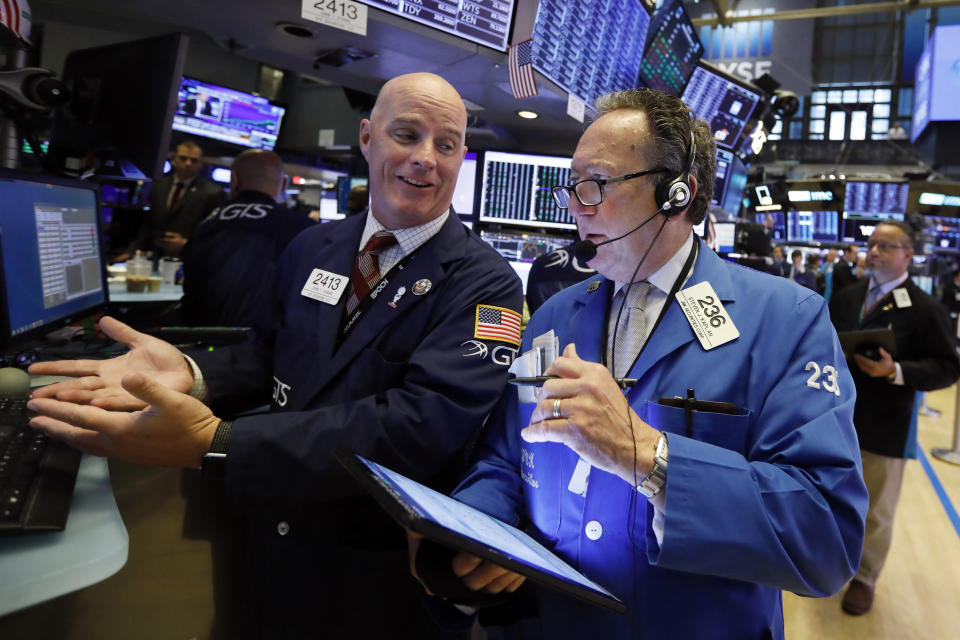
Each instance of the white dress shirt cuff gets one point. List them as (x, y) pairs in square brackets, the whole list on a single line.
[(898, 376), (199, 388), (659, 503)]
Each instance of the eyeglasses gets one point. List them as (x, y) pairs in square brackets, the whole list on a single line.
[(884, 247), (590, 191)]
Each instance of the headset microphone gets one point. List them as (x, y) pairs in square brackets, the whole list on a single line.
[(586, 250)]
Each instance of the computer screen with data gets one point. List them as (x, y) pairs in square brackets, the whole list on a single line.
[(50, 253), (590, 47), (876, 197), (515, 189), (521, 249), (813, 226), (673, 50), (725, 103)]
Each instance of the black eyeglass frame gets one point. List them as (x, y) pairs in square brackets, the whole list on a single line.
[(572, 188)]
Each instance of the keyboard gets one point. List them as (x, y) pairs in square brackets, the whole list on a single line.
[(37, 474)]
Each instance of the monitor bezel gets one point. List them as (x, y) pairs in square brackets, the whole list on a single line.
[(8, 341), (194, 134)]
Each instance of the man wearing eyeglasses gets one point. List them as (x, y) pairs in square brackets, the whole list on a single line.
[(888, 384), (726, 469)]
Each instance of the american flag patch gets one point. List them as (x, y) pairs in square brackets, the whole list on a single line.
[(497, 323)]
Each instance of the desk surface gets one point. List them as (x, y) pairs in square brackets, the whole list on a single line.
[(41, 566), (167, 293)]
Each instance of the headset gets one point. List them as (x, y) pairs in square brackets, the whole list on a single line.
[(674, 195)]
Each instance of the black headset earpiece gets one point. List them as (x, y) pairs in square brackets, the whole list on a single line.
[(674, 195)]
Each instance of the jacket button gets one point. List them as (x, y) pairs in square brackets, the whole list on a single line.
[(594, 530), (283, 528)]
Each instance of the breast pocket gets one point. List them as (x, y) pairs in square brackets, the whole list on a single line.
[(721, 429)]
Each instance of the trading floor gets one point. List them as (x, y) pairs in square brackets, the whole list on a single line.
[(917, 596), (163, 592)]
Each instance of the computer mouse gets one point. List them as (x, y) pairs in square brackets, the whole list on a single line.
[(27, 358), (14, 382)]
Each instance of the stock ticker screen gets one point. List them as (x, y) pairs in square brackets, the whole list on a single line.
[(813, 226), (590, 47), (515, 189), (876, 197), (726, 105), (483, 21), (673, 52)]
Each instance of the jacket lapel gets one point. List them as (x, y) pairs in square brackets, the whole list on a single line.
[(589, 317), (427, 263)]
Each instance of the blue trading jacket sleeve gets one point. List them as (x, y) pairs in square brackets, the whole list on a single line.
[(791, 513)]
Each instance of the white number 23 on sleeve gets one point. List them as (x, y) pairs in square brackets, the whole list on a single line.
[(825, 378)]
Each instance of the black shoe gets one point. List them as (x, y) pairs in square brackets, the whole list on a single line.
[(858, 599)]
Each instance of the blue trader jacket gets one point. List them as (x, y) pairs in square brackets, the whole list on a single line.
[(408, 387), (772, 499)]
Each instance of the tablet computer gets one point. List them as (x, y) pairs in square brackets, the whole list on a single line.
[(866, 341), (463, 528)]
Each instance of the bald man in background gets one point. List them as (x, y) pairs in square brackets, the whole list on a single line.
[(229, 262)]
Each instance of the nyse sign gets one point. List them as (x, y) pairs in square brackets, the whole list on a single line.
[(748, 70)]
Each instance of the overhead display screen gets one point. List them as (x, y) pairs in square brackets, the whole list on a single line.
[(813, 226), (673, 52), (216, 112), (590, 47), (725, 104), (876, 197), (482, 21)]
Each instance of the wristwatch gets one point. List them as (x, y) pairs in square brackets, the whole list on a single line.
[(653, 483), (214, 463)]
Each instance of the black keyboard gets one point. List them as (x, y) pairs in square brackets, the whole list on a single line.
[(37, 474)]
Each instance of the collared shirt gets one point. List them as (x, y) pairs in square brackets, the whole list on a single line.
[(885, 289), (408, 239), (661, 281)]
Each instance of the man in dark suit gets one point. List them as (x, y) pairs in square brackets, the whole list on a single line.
[(387, 333), (229, 262), (887, 387), (179, 201), (780, 266), (844, 273)]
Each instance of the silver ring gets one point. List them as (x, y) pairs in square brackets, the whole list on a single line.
[(556, 408)]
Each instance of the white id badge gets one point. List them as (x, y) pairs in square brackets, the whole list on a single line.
[(325, 286), (709, 320), (901, 298)]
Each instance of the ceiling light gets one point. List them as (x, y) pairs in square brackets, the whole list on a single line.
[(529, 115)]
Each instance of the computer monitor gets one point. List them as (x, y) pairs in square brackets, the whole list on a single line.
[(487, 23), (464, 193), (776, 221), (210, 111), (589, 50), (672, 52), (515, 189), (726, 236), (876, 197), (346, 184), (813, 226), (520, 249), (117, 122), (944, 234), (51, 262), (724, 102)]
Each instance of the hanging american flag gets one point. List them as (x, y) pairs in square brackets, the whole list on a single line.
[(15, 16), (497, 323), (522, 81)]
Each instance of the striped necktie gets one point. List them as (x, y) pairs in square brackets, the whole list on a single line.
[(366, 270), (629, 337)]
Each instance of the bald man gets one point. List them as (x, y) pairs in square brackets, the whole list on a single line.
[(370, 341), (229, 261)]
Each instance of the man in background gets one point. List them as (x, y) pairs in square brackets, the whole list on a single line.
[(179, 201), (229, 262), (888, 384), (844, 271)]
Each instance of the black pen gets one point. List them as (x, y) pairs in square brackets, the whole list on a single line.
[(539, 380)]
